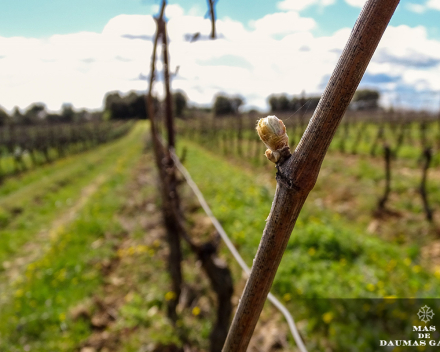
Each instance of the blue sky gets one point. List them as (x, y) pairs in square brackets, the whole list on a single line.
[(52, 48), (43, 18)]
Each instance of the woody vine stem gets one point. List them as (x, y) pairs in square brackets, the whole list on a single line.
[(297, 173)]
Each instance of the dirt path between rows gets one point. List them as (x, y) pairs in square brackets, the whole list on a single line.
[(138, 269), (34, 249)]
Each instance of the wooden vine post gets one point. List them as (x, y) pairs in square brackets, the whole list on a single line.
[(297, 173), (217, 271), (211, 4), (166, 170), (387, 156), (427, 155)]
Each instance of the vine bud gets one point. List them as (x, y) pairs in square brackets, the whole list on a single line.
[(273, 134)]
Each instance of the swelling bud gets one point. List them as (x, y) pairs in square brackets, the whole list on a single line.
[(272, 132)]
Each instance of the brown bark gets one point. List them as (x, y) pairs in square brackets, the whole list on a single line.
[(344, 137), (379, 137), (221, 282), (168, 98), (172, 205), (149, 100), (387, 158), (297, 175), (438, 128), (427, 155), (400, 139), (220, 278), (166, 170), (212, 13), (239, 119), (422, 127), (359, 135), (219, 275)]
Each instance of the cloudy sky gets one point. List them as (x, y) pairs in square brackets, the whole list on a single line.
[(57, 51)]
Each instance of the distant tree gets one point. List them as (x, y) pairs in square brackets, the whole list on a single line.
[(283, 103), (38, 110), (180, 103), (365, 99), (120, 110), (53, 118), (128, 107), (312, 103), (279, 102), (366, 94), (111, 98), (205, 109), (16, 116), (83, 115), (273, 102), (116, 107), (223, 105), (236, 101), (139, 107), (33, 114), (136, 105), (304, 104), (4, 117), (295, 104), (67, 113)]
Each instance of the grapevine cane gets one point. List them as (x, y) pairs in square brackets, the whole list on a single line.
[(297, 173)]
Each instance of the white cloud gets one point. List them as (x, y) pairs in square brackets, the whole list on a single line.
[(197, 10), (416, 51), (416, 8), (433, 4), (277, 54), (421, 8), (298, 5), (356, 3), (130, 24), (282, 23), (172, 10)]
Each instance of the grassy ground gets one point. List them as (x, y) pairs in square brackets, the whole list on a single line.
[(52, 219), (343, 217), (87, 268), (340, 247), (82, 256)]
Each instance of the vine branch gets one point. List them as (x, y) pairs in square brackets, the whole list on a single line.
[(302, 168)]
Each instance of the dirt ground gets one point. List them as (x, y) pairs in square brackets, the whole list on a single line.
[(129, 274)]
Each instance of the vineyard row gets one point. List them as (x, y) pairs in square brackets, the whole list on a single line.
[(25, 147)]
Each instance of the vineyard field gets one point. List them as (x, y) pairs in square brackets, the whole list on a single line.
[(337, 228), (50, 217), (83, 256)]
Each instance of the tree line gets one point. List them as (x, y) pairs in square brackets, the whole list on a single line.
[(116, 107), (132, 106), (363, 99)]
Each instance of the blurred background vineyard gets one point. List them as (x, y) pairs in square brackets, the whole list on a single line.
[(83, 246)]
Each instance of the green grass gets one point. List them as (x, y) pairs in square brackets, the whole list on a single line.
[(35, 309), (32, 201), (56, 136), (358, 138), (330, 258), (330, 255), (321, 240)]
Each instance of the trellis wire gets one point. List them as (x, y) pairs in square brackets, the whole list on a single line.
[(233, 250)]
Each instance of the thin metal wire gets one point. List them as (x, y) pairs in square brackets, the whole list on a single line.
[(233, 250)]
